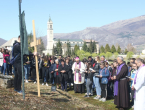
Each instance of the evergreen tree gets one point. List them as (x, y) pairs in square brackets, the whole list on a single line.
[(91, 47), (72, 53), (76, 48), (126, 51), (59, 48), (102, 50), (68, 52), (119, 49), (107, 48), (94, 47), (40, 47), (113, 49), (30, 39), (84, 47)]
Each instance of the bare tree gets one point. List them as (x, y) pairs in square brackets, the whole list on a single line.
[(130, 48)]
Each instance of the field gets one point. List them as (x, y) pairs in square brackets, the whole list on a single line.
[(59, 100)]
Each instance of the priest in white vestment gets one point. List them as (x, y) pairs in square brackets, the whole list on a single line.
[(139, 86), (79, 76)]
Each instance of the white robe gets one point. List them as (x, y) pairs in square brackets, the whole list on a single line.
[(139, 101), (1, 59), (82, 70)]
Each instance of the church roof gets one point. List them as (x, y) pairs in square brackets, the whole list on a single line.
[(80, 45), (89, 40), (9, 43), (71, 40)]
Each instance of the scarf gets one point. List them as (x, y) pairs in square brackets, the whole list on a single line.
[(116, 82), (136, 78), (79, 72)]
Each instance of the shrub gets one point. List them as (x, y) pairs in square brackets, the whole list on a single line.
[(129, 55)]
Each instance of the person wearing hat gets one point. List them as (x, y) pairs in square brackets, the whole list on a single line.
[(79, 76)]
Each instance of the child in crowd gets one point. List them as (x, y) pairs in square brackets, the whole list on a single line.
[(104, 74), (89, 83)]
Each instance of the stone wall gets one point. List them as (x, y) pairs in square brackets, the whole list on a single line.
[(6, 81)]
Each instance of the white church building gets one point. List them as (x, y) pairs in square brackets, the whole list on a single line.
[(51, 41)]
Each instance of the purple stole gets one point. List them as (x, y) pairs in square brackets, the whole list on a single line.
[(80, 78), (116, 82), (135, 79)]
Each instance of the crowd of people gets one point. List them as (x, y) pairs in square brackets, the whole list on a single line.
[(94, 76)]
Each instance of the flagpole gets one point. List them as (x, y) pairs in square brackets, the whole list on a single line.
[(21, 35)]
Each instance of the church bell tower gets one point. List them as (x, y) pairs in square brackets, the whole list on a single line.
[(50, 35)]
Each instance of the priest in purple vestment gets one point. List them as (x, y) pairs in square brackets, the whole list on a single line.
[(121, 85)]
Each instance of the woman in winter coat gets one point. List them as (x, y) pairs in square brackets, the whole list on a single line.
[(6, 57), (51, 72), (104, 74), (96, 68), (56, 73), (69, 66), (45, 70), (89, 83)]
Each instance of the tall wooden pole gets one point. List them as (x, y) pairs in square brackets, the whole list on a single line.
[(21, 34), (36, 59)]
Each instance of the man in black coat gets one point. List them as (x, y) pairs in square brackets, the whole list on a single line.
[(17, 65), (63, 70)]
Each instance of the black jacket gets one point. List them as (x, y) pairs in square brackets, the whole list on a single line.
[(69, 67), (48, 63), (90, 75), (63, 75), (33, 63), (17, 52), (96, 68)]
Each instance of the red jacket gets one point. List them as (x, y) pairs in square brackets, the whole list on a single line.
[(5, 55)]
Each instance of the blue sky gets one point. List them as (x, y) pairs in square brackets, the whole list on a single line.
[(67, 15)]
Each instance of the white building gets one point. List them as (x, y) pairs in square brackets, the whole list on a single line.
[(9, 44), (143, 52), (51, 41)]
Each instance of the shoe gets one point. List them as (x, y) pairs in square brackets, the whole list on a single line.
[(20, 92), (90, 94), (26, 81), (35, 82), (42, 84), (100, 99), (97, 97), (87, 96), (46, 84), (133, 106), (104, 100), (15, 90)]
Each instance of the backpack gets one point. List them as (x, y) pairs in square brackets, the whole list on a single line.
[(12, 60)]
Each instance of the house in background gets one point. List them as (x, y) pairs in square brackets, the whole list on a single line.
[(9, 44)]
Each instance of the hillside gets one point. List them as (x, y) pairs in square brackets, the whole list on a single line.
[(2, 41), (120, 32)]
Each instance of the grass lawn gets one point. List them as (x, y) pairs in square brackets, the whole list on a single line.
[(108, 105), (59, 100)]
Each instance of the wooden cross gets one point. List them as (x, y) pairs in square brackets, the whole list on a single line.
[(34, 44)]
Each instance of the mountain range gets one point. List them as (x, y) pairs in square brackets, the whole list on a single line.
[(121, 32), (2, 41)]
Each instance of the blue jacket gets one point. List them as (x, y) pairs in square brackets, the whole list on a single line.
[(52, 68), (129, 71), (105, 74)]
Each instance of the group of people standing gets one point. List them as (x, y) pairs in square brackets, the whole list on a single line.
[(5, 66), (117, 80)]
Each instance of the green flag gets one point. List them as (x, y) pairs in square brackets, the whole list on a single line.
[(24, 35)]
